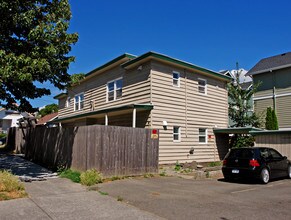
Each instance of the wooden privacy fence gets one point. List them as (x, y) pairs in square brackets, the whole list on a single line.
[(279, 140), (111, 150)]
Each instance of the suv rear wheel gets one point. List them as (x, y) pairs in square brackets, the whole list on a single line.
[(265, 175)]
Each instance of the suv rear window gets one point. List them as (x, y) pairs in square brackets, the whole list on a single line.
[(241, 153)]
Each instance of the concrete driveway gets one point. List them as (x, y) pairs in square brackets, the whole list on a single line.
[(58, 198), (177, 198)]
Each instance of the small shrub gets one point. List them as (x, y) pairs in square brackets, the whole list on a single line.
[(91, 177), (9, 182), (10, 187), (3, 135), (119, 199), (215, 164), (207, 174), (115, 178), (147, 175), (163, 173), (71, 174), (178, 166)]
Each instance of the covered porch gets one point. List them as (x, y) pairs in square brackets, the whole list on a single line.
[(134, 115)]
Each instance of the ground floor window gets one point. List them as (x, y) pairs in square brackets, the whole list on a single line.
[(202, 135), (176, 134)]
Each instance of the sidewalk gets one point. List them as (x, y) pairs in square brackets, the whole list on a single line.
[(58, 198)]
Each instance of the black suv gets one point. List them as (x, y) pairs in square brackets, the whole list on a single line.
[(255, 162)]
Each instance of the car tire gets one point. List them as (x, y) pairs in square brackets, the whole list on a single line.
[(289, 171), (265, 175)]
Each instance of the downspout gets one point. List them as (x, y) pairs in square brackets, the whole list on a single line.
[(151, 97), (274, 99), (186, 104)]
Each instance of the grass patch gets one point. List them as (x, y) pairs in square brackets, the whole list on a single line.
[(215, 164), (163, 173), (71, 174), (148, 175), (91, 177), (103, 193), (10, 187)]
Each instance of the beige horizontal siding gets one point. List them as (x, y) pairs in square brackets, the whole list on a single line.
[(136, 90), (263, 93), (283, 106), (184, 106)]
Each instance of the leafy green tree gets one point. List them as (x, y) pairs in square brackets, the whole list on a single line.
[(275, 120), (271, 122), (34, 47), (269, 119), (48, 109), (240, 111), (76, 78)]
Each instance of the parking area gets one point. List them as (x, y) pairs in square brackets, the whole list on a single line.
[(177, 198)]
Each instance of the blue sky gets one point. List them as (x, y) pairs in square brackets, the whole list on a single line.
[(211, 33)]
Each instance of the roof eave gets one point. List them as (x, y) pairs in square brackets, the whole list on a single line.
[(153, 55)]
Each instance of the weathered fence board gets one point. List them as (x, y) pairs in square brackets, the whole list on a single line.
[(111, 150), (280, 142)]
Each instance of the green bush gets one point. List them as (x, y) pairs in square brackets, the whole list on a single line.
[(3, 135), (91, 177), (71, 174)]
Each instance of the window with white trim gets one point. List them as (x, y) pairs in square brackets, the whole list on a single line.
[(176, 79), (202, 86), (176, 134), (68, 101), (114, 89), (79, 101), (202, 136)]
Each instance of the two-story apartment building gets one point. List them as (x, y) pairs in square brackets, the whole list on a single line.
[(275, 89), (184, 101)]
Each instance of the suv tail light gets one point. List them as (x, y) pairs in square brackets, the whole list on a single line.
[(224, 162), (254, 163)]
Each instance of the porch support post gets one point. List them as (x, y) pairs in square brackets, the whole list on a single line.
[(134, 118), (106, 119)]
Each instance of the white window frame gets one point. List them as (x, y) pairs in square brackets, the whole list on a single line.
[(79, 102), (179, 134), (205, 87), (114, 90), (68, 102), (206, 136), (174, 79)]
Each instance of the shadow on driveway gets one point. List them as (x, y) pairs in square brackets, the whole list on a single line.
[(23, 168)]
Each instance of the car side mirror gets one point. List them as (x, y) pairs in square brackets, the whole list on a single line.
[(284, 157)]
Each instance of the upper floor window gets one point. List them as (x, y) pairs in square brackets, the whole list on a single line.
[(176, 134), (114, 90), (68, 101), (79, 101), (202, 136), (202, 86), (176, 79)]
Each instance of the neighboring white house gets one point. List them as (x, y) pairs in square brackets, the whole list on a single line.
[(9, 118)]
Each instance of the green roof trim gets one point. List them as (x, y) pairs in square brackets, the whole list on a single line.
[(239, 130), (175, 61), (269, 132), (60, 95), (126, 55), (124, 107)]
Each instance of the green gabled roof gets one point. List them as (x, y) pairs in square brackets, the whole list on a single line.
[(126, 55), (107, 110), (174, 61), (63, 94)]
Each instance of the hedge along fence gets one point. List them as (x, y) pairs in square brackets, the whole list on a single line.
[(111, 150)]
